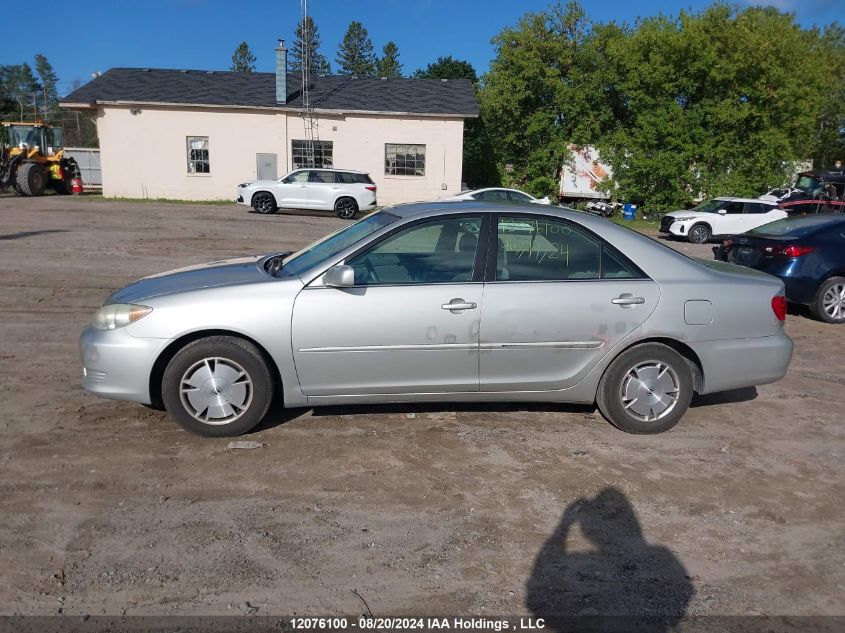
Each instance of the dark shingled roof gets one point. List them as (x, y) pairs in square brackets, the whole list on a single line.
[(332, 92)]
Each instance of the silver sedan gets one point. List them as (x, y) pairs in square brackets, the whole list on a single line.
[(442, 302)]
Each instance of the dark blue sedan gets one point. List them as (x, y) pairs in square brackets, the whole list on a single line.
[(806, 252)]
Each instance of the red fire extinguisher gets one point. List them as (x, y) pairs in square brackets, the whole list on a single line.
[(76, 186)]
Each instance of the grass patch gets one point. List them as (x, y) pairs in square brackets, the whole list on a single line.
[(638, 224), (99, 196)]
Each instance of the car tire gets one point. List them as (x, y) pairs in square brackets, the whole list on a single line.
[(218, 386), (829, 302), (646, 389), (264, 203), (699, 234), (346, 208)]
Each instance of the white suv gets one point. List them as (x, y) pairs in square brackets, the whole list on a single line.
[(341, 190), (720, 216)]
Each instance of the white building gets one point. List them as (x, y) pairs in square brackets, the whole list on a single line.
[(194, 135)]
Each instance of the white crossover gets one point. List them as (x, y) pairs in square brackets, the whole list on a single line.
[(720, 216)]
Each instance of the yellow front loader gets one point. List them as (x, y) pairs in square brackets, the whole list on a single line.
[(32, 159)]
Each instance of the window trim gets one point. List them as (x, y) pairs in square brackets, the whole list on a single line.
[(424, 166), (188, 162), (492, 253), (478, 267)]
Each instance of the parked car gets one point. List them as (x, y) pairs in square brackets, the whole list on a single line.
[(497, 194), (720, 217), (434, 302), (806, 252), (343, 191)]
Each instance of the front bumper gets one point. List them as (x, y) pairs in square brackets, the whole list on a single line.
[(747, 362), (242, 197), (117, 365)]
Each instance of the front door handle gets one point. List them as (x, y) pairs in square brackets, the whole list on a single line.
[(627, 300), (456, 306)]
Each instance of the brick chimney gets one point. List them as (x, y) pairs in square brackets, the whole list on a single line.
[(281, 73)]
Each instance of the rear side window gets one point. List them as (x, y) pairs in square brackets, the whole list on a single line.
[(516, 196), (531, 249), (321, 176), (348, 178)]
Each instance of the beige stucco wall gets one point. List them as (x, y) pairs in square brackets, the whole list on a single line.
[(144, 155)]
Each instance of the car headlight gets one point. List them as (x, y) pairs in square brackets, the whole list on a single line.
[(243, 185), (684, 219), (116, 315)]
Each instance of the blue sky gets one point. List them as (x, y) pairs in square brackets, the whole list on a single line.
[(89, 36)]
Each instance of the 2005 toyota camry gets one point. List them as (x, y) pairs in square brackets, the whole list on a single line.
[(442, 302)]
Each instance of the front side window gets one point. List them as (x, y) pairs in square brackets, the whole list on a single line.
[(518, 196), (297, 176), (198, 158), (440, 251), (733, 208), (312, 153), (404, 160), (321, 176), (531, 249)]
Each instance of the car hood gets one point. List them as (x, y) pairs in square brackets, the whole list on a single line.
[(226, 272), (691, 214), (254, 183)]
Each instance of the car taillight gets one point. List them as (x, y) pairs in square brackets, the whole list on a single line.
[(779, 307), (370, 188), (792, 250)]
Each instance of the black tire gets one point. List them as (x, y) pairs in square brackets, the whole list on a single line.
[(63, 187), (31, 179), (346, 208), (629, 376), (263, 202), (827, 304), (254, 389), (699, 234)]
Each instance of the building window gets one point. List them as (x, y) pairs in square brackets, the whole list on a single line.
[(404, 160), (321, 156), (198, 155)]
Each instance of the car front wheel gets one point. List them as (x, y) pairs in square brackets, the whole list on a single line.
[(218, 386), (646, 389), (829, 304), (264, 202), (699, 234)]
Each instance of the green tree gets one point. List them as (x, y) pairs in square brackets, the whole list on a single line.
[(355, 54), (21, 87), (243, 61), (50, 97), (447, 68), (388, 65), (526, 102), (306, 38)]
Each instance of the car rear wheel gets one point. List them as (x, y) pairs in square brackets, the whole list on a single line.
[(699, 234), (264, 202), (829, 304), (346, 208), (218, 386), (646, 389)]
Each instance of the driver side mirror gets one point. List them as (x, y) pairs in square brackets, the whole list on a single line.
[(340, 276), (286, 181), (722, 211)]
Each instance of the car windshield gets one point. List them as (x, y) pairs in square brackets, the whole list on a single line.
[(800, 226), (709, 206), (327, 247), (808, 184)]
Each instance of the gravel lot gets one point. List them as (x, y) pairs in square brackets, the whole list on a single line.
[(108, 507)]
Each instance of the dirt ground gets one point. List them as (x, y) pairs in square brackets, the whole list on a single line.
[(109, 507)]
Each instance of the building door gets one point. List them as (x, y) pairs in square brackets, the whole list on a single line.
[(266, 166)]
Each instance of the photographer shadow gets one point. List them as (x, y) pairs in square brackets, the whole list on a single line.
[(624, 583)]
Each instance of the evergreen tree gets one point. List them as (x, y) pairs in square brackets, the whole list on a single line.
[(243, 61), (49, 96), (355, 54), (388, 65), (306, 33), (22, 88)]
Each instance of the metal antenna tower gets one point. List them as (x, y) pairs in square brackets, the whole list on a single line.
[(309, 119)]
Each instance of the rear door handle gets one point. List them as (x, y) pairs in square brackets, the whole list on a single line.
[(456, 306), (627, 300)]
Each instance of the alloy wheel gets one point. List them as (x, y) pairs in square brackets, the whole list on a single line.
[(264, 203), (698, 234), (345, 209), (834, 301), (216, 390)]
